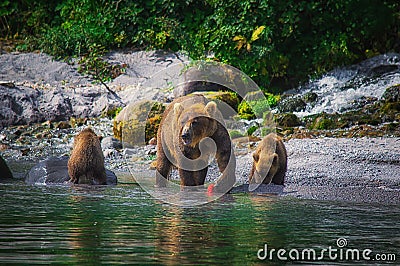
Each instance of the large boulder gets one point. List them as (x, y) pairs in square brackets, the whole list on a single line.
[(392, 94), (54, 170), (138, 122), (26, 105), (292, 104), (5, 172)]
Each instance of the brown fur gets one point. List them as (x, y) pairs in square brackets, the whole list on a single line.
[(186, 122), (270, 161), (86, 164)]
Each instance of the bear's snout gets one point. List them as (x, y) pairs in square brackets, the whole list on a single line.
[(186, 136), (262, 176)]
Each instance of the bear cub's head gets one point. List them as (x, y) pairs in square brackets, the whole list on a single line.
[(197, 122), (267, 166), (85, 136)]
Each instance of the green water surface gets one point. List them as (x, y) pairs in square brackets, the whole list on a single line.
[(125, 225)]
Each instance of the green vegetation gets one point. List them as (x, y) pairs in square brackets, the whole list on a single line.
[(93, 65), (234, 134), (277, 43), (256, 109)]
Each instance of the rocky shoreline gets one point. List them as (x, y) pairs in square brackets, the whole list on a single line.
[(35, 88), (46, 106)]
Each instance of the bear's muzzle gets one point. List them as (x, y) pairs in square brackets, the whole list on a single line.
[(186, 136)]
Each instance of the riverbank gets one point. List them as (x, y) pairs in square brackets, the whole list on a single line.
[(356, 170), (364, 170), (357, 163)]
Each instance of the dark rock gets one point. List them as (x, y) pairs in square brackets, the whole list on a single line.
[(292, 104), (25, 105), (310, 97), (111, 143), (195, 86), (55, 171), (392, 94), (5, 172), (288, 120), (381, 70), (63, 125)]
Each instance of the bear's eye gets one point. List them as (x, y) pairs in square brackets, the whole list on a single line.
[(195, 122)]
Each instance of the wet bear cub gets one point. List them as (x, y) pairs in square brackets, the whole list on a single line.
[(86, 164), (270, 161)]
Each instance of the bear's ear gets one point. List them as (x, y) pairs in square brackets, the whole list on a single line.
[(256, 157), (211, 109), (178, 109)]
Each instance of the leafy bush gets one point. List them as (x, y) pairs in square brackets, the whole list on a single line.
[(277, 43), (93, 65), (253, 109)]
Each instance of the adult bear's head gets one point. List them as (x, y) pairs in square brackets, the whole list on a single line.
[(196, 122)]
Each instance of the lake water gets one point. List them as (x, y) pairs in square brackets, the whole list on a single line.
[(125, 225)]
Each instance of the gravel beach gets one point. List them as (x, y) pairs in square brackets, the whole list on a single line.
[(365, 170)]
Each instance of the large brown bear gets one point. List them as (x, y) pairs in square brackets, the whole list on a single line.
[(270, 161), (86, 164), (188, 130)]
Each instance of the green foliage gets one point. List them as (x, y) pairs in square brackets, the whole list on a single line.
[(253, 109), (234, 134), (93, 65), (251, 130), (113, 112), (323, 123), (276, 43), (245, 111)]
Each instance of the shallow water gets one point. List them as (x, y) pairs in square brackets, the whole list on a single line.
[(124, 224)]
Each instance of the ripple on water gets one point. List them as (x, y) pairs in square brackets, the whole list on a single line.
[(74, 225)]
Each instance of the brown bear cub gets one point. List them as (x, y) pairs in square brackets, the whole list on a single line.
[(86, 164), (190, 133), (270, 161)]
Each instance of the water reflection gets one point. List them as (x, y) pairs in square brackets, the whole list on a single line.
[(123, 224), (84, 227)]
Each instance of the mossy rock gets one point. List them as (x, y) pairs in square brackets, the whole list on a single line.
[(292, 104), (390, 111), (227, 97), (138, 122), (77, 121), (257, 104), (310, 97), (323, 123), (392, 94), (234, 134), (113, 112), (245, 111), (388, 108), (287, 120)]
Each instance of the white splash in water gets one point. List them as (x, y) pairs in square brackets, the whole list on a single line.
[(340, 89)]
